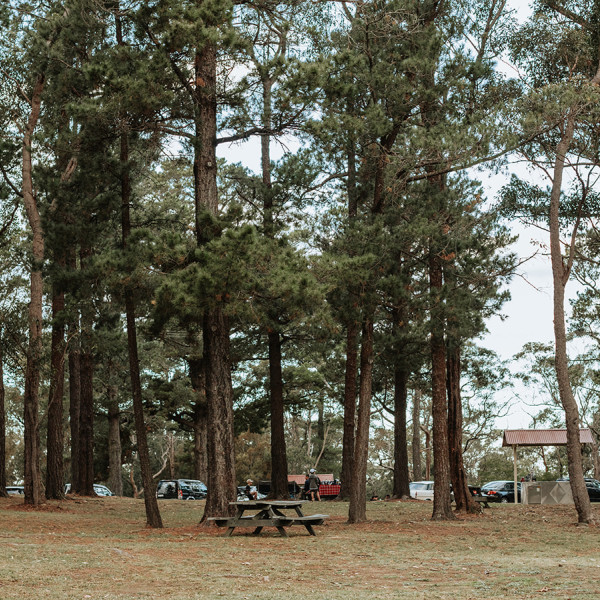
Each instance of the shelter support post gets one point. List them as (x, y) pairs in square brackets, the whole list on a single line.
[(515, 470)]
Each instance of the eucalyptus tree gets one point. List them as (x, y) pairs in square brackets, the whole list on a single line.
[(563, 65), (539, 377)]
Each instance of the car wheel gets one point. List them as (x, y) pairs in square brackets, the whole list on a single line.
[(190, 498), (504, 500)]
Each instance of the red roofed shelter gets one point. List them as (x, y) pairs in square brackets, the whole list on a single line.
[(539, 437)]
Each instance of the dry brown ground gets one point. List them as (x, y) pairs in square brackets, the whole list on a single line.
[(100, 548)]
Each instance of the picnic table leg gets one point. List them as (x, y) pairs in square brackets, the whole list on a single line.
[(308, 526), (282, 531), (263, 514), (238, 516)]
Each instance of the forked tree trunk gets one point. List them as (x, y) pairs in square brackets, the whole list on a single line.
[(560, 277), (462, 496), (357, 510)]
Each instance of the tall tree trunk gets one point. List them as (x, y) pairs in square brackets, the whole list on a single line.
[(2, 423), (171, 443), (33, 477), (560, 277), (55, 438), (462, 497), (74, 399), (350, 385), (427, 433), (401, 374), (153, 517), (279, 471), (197, 369), (416, 436), (442, 507), (357, 511), (86, 399), (115, 477), (401, 488), (221, 481), (351, 373)]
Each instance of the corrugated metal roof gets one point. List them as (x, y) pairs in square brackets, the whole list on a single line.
[(542, 437)]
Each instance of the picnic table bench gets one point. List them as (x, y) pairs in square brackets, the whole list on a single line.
[(269, 514), (482, 500)]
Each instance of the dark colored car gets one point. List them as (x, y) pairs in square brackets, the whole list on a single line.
[(181, 489), (501, 491), (592, 485)]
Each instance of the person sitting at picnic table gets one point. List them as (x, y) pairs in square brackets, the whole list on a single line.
[(313, 485), (252, 494)]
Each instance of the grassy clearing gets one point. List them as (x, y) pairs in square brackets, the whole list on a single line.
[(101, 549)]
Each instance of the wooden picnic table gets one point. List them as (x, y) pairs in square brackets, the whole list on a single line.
[(482, 500), (269, 513)]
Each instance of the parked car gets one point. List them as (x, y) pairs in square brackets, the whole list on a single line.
[(475, 490), (101, 490), (421, 490), (15, 490), (181, 489), (592, 485), (501, 491)]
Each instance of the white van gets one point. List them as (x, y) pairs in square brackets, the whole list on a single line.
[(421, 490)]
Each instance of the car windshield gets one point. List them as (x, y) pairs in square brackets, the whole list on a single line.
[(418, 486), (195, 485), (494, 485)]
